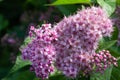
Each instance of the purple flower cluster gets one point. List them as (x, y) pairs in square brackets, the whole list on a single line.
[(70, 45), (83, 29), (72, 64), (40, 51), (78, 36)]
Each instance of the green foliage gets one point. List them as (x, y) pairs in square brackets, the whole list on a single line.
[(14, 71), (115, 34), (116, 72), (3, 23), (3, 71), (36, 79), (118, 2), (23, 75), (105, 76), (65, 2), (115, 50), (108, 5), (103, 44), (27, 41), (37, 3), (67, 9), (20, 63)]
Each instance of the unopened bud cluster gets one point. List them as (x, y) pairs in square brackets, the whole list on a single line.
[(103, 60)]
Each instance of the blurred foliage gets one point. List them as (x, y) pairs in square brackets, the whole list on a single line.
[(3, 23), (108, 5), (17, 15), (19, 64), (118, 2), (65, 2), (104, 44), (105, 76)]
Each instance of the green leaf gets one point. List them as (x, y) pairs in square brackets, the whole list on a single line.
[(108, 5), (105, 76), (115, 34), (24, 75), (105, 44), (116, 72), (67, 9), (115, 50), (19, 64), (94, 1), (65, 2)]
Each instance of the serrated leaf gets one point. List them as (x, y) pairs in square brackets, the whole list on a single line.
[(19, 64), (106, 44), (66, 2), (108, 5), (105, 76)]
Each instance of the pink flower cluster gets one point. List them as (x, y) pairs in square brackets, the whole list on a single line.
[(81, 32), (72, 64), (40, 51), (70, 45), (78, 36)]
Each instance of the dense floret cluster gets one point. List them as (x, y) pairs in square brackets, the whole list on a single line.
[(78, 35), (40, 51), (81, 32), (70, 45)]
